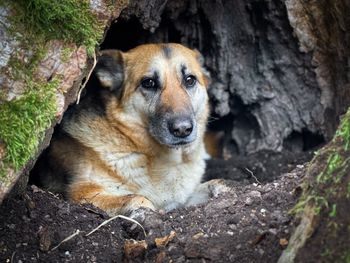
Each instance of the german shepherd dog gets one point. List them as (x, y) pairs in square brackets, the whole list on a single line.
[(137, 140)]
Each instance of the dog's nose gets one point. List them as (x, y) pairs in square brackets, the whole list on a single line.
[(181, 127)]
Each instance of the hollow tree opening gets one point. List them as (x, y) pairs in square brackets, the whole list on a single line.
[(264, 90), (265, 93), (266, 98)]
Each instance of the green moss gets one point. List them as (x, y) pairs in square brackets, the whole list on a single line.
[(326, 252), (333, 212), (3, 172), (66, 54), (24, 122), (318, 201), (333, 163), (329, 180), (68, 20), (345, 258), (33, 23), (344, 131)]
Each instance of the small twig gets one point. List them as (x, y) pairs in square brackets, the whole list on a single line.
[(54, 195), (94, 212), (66, 239), (112, 218), (87, 78), (13, 256), (252, 174)]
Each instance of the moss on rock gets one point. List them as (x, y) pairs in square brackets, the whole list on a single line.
[(24, 122), (68, 20)]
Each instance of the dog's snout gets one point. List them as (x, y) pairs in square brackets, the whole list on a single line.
[(181, 127)]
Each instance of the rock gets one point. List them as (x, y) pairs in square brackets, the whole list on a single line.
[(147, 218), (248, 201), (45, 238)]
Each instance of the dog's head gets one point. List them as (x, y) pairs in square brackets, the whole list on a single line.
[(162, 87)]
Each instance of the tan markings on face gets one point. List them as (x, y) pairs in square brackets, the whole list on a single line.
[(157, 109), (144, 59), (137, 63), (173, 96), (182, 55)]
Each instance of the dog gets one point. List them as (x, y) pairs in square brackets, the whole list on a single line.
[(136, 140)]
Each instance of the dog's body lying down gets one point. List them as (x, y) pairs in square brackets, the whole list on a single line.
[(137, 140)]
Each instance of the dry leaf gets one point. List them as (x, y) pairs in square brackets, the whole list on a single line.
[(163, 241), (134, 249), (283, 242)]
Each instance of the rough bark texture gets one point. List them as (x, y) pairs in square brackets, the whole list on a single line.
[(322, 28)]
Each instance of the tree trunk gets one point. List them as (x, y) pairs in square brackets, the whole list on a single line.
[(323, 231)]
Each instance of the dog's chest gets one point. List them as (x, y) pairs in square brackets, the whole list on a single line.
[(167, 180)]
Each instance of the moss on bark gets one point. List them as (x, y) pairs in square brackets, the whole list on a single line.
[(324, 230), (26, 116), (24, 122), (68, 20)]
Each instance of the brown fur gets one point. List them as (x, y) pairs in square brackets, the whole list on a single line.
[(116, 149)]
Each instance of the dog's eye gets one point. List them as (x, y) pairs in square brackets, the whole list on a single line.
[(190, 81), (148, 84)]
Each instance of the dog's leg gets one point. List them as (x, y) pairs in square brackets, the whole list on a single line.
[(207, 190), (112, 204)]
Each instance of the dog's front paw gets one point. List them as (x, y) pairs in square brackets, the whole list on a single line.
[(127, 204), (139, 201), (209, 189)]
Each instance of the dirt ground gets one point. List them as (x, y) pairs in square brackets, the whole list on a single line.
[(248, 223)]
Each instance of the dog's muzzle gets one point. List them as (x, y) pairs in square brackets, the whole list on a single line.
[(174, 131)]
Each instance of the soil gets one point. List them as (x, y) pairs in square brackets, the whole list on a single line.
[(248, 223)]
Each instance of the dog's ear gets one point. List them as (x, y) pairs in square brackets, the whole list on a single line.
[(205, 72), (109, 70)]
